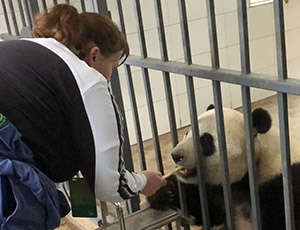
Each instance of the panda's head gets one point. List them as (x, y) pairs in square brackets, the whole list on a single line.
[(183, 154)]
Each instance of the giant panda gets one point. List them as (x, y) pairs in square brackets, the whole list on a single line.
[(269, 172)]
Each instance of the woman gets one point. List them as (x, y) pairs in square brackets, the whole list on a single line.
[(54, 90)]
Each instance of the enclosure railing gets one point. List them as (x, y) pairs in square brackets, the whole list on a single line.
[(245, 78)]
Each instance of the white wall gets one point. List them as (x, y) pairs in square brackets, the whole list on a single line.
[(262, 51)]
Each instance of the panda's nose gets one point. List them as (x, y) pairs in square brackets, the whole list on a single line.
[(177, 157)]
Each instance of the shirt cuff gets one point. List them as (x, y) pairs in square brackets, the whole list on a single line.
[(141, 181)]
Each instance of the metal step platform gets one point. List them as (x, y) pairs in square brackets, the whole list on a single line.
[(146, 219)]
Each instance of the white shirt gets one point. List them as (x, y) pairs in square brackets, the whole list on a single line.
[(111, 177)]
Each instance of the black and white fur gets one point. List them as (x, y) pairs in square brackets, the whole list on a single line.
[(269, 172)]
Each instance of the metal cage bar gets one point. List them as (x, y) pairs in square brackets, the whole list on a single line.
[(286, 161), (283, 116), (167, 87), (22, 15), (83, 7), (261, 81), (6, 17), (33, 9), (44, 5), (13, 17), (27, 13), (248, 123), (137, 124), (219, 113), (223, 154), (193, 114), (132, 96), (166, 75), (147, 86)]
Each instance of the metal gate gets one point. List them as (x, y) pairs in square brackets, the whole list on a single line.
[(280, 84)]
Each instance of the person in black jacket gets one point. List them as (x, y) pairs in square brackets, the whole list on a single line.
[(54, 90)]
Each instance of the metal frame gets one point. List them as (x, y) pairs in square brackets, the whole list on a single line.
[(282, 85)]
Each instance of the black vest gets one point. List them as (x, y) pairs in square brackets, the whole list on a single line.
[(39, 95)]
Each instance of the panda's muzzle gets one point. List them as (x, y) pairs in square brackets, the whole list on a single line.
[(185, 173)]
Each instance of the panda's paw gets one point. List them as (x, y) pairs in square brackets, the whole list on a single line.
[(164, 197)]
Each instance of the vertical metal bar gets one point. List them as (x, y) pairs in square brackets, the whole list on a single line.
[(185, 32), (33, 8), (83, 5), (104, 212), (55, 2), (22, 13), (219, 113), (223, 154), (135, 114), (183, 202), (212, 29), (121, 22), (166, 77), (100, 6), (120, 214), (193, 115), (148, 87), (27, 13), (243, 36), (286, 161), (283, 116), (248, 123), (280, 39), (44, 4), (6, 17), (132, 96), (13, 16)]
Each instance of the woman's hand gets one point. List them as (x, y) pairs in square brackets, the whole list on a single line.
[(154, 182)]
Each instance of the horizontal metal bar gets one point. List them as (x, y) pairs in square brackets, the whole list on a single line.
[(262, 81)]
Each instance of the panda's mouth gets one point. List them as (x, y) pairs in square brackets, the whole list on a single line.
[(185, 173)]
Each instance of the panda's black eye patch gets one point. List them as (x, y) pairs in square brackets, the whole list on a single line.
[(207, 143)]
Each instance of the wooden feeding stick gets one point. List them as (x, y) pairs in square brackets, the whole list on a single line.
[(175, 170)]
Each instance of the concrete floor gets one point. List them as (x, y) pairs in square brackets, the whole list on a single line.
[(270, 104)]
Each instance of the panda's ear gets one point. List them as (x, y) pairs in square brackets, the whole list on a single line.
[(262, 121), (211, 106)]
